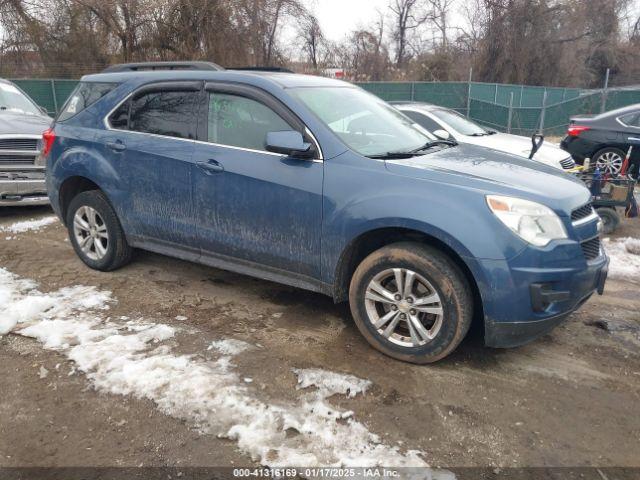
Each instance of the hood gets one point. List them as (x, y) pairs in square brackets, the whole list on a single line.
[(493, 172), (521, 146), (23, 124)]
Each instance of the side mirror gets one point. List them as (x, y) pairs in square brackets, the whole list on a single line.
[(43, 110), (289, 143), (442, 134)]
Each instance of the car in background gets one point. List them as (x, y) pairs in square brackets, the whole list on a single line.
[(22, 123), (446, 123), (605, 138), (315, 183)]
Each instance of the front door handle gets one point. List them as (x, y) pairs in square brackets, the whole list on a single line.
[(210, 166), (117, 146)]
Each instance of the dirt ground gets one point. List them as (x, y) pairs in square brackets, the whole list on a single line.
[(569, 399)]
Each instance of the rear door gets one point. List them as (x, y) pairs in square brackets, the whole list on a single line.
[(150, 142), (252, 205)]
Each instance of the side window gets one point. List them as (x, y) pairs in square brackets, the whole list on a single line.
[(120, 118), (84, 95), (168, 113), (631, 120), (241, 122), (423, 120)]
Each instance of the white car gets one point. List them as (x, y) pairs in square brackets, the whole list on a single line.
[(446, 123)]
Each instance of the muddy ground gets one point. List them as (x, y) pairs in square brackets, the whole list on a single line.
[(571, 398)]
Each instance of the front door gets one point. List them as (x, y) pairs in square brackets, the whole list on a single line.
[(254, 206)]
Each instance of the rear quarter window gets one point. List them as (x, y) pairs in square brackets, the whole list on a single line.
[(84, 95)]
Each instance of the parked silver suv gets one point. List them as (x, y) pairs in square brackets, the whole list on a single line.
[(22, 123)]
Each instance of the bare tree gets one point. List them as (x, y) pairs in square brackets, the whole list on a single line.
[(312, 38), (408, 16)]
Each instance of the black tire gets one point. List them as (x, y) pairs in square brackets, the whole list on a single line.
[(445, 277), (610, 219), (118, 252), (606, 151)]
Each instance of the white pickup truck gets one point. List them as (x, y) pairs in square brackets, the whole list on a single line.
[(21, 125)]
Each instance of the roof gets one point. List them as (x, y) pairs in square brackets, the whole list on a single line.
[(284, 80)]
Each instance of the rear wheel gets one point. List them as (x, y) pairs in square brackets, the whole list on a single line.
[(95, 232), (609, 160), (411, 302)]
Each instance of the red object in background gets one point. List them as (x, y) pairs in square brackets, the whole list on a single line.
[(48, 138), (340, 74), (576, 130), (625, 164)]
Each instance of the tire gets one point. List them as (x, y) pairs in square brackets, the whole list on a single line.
[(434, 273), (114, 251), (610, 219), (609, 160)]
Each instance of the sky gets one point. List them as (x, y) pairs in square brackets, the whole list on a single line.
[(339, 17)]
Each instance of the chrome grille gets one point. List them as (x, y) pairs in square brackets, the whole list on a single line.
[(568, 163), (18, 144), (591, 248), (582, 212), (17, 159)]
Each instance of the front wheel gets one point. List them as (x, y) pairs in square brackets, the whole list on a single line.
[(95, 232), (411, 302), (610, 219)]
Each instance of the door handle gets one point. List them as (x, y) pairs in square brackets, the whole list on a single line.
[(117, 146), (210, 166)]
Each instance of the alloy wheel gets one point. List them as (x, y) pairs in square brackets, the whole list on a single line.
[(610, 162), (404, 307), (91, 233)]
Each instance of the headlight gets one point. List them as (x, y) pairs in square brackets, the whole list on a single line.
[(531, 221)]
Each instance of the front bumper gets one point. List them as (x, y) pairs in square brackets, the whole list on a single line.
[(23, 188), (530, 302)]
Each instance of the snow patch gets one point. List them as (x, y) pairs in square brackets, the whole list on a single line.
[(29, 225), (624, 261), (20, 302), (127, 357), (331, 383), (632, 245), (229, 346)]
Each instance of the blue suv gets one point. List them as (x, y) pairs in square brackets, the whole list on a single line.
[(315, 183)]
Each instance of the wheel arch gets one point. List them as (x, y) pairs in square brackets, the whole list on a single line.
[(71, 187), (368, 242)]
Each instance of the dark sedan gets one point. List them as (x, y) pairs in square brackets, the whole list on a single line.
[(606, 139)]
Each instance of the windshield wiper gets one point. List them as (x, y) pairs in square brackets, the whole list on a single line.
[(435, 143), (393, 155), (412, 153)]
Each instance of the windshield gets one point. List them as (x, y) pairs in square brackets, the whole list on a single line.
[(364, 122), (459, 123), (13, 100)]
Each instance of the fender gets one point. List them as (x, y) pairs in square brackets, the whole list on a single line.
[(78, 161)]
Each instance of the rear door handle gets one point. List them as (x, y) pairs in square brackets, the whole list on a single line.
[(210, 166), (117, 146)]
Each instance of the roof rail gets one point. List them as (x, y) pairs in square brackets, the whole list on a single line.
[(142, 66), (262, 69)]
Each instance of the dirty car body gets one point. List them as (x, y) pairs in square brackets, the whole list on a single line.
[(21, 126), (309, 220)]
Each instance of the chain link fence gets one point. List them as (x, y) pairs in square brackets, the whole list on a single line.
[(517, 109)]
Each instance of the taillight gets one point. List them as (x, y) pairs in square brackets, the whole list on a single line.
[(48, 138), (576, 130)]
